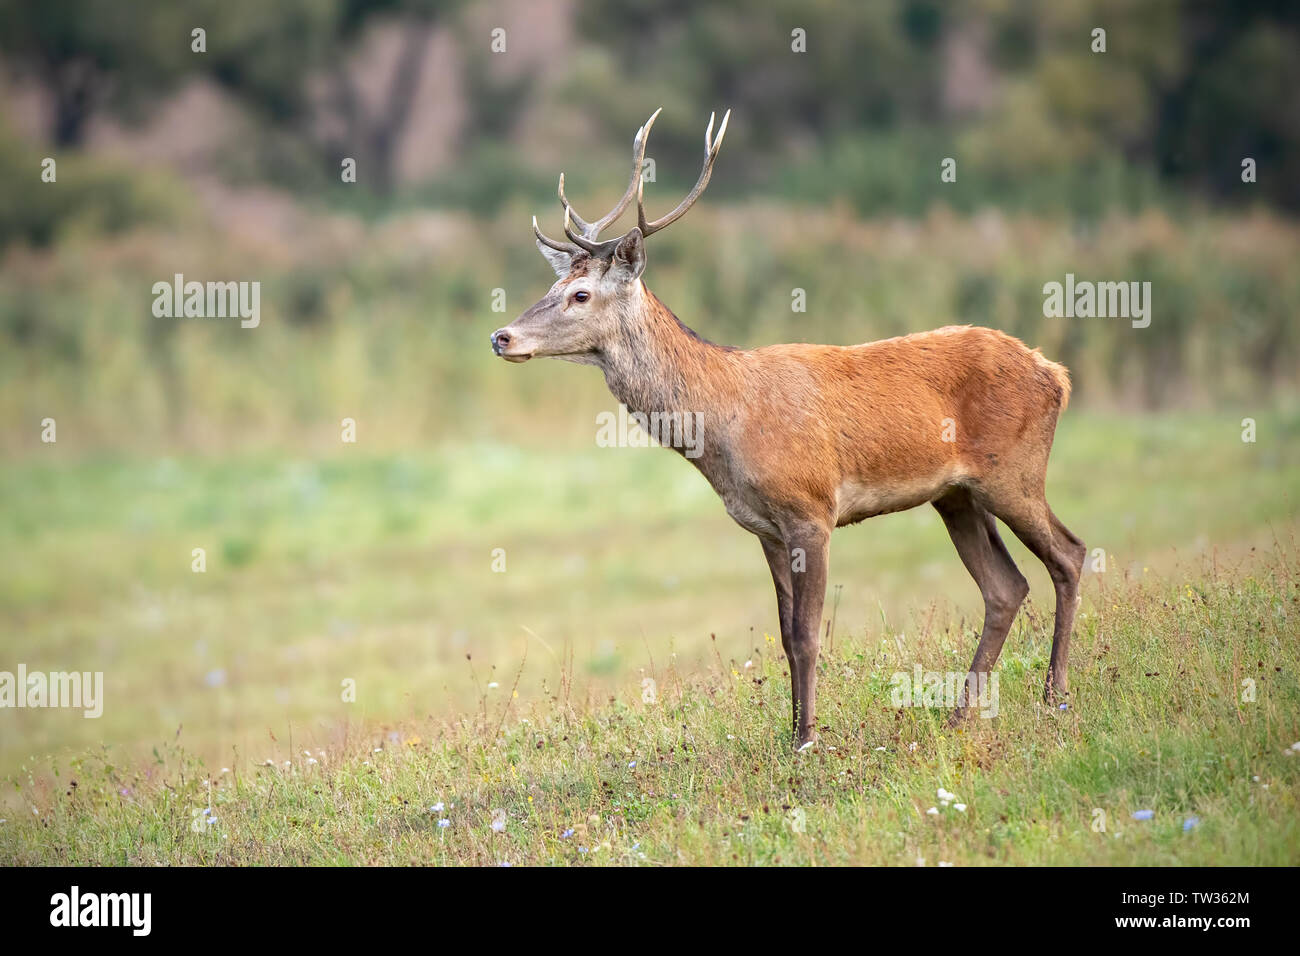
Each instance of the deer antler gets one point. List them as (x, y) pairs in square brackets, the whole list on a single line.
[(545, 240), (590, 230), (583, 234), (711, 147)]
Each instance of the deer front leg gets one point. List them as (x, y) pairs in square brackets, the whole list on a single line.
[(808, 550), (778, 561)]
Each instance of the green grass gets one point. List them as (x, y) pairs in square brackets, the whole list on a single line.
[(620, 565), (703, 773)]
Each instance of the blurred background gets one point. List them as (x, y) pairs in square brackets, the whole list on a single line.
[(374, 561)]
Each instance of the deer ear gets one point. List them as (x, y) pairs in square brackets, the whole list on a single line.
[(629, 256), (560, 261)]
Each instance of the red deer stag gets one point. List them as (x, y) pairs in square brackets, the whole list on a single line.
[(798, 440)]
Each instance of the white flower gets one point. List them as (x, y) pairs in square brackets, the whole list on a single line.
[(933, 811), (436, 808), (959, 807)]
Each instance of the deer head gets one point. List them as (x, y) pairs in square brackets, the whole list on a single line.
[(599, 281)]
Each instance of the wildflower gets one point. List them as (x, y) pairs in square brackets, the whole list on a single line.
[(1191, 823), (1143, 814), (444, 823), (631, 765), (499, 821), (436, 808), (959, 807), (933, 811), (944, 863), (566, 834), (493, 685)]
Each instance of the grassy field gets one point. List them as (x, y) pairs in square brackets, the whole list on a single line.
[(521, 690), (699, 771)]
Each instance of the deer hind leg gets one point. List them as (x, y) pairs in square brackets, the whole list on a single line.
[(974, 533), (1069, 551), (1062, 552)]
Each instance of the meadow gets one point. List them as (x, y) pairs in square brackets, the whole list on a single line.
[(522, 689), (1163, 759), (475, 560)]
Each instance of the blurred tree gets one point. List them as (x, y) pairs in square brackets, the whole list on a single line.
[(87, 55)]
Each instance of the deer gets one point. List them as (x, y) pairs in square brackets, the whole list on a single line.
[(798, 440)]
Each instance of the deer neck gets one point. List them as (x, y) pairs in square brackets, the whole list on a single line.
[(656, 364)]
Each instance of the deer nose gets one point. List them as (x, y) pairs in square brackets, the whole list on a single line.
[(500, 339)]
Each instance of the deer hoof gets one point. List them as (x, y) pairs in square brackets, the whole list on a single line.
[(1058, 699)]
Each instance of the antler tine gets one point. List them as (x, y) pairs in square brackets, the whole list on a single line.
[(590, 230), (545, 240), (711, 147), (601, 250)]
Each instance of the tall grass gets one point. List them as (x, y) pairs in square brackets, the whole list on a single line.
[(388, 324)]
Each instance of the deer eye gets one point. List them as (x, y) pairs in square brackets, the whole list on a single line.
[(581, 296)]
